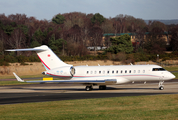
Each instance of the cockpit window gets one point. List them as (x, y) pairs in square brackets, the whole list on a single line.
[(158, 69)]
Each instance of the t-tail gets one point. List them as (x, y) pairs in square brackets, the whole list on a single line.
[(49, 59)]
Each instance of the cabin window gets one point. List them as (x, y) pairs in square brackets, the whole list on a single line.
[(125, 71), (113, 72), (95, 72), (143, 71), (158, 69), (134, 71), (121, 71), (116, 71), (103, 72), (129, 71), (138, 71), (99, 72), (91, 72), (87, 72), (108, 72)]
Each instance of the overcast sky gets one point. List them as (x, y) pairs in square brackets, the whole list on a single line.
[(47, 9)]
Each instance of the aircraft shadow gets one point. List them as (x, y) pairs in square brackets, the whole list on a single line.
[(112, 88), (83, 89)]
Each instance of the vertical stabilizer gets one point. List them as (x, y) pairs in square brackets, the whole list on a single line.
[(47, 57)]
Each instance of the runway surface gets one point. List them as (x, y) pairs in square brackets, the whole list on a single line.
[(56, 92)]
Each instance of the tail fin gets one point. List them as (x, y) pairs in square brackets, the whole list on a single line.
[(46, 55)]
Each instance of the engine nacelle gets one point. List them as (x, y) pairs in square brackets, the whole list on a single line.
[(66, 72), (121, 80)]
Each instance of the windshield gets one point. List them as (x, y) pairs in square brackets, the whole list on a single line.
[(158, 69)]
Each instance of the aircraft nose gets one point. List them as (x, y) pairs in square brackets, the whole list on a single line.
[(169, 76), (172, 76)]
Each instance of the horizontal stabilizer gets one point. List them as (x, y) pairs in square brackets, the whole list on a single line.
[(27, 49)]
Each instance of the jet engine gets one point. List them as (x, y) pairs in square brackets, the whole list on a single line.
[(65, 71)]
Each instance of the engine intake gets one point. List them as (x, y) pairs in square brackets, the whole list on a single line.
[(72, 71)]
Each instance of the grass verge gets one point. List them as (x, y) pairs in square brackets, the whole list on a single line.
[(172, 68), (4, 83), (122, 108), (24, 76)]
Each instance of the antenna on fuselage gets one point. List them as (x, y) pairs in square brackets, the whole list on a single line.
[(131, 64)]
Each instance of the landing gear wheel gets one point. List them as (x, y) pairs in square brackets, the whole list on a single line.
[(88, 88), (102, 87), (161, 87)]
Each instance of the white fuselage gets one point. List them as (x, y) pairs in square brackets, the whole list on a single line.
[(95, 75), (122, 73)]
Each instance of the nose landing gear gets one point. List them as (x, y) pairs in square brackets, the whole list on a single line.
[(161, 86)]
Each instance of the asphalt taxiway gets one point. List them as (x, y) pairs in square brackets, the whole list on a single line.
[(56, 92)]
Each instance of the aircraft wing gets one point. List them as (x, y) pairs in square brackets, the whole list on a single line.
[(67, 81)]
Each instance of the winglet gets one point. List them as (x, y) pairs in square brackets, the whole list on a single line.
[(18, 78)]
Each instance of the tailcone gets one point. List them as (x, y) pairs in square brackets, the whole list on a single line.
[(44, 73)]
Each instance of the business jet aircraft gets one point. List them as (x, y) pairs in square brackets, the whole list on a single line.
[(95, 75)]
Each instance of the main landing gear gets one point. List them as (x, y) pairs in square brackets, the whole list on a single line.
[(161, 86), (90, 87), (102, 87)]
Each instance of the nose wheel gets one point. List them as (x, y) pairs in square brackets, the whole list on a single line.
[(161, 86)]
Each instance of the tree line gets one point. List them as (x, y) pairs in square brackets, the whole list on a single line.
[(69, 34)]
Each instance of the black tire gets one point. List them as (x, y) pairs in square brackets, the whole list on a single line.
[(89, 88), (102, 87), (161, 88)]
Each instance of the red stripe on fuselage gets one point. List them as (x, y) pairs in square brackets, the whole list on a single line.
[(101, 76), (119, 76)]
